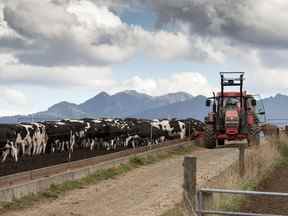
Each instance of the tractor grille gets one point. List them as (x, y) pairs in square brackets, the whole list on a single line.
[(232, 127), (231, 124)]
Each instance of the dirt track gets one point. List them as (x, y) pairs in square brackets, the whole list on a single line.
[(145, 191), (277, 182)]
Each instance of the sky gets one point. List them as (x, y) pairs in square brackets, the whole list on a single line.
[(56, 50)]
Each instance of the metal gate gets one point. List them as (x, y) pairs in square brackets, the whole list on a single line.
[(200, 201)]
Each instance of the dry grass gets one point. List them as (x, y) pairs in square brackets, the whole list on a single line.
[(260, 162), (176, 211)]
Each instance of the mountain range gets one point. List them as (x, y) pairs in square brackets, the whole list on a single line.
[(134, 104)]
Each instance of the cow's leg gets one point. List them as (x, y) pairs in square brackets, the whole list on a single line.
[(5, 152), (72, 142), (27, 148), (43, 145), (62, 146), (10, 148), (96, 143), (112, 143), (45, 141), (34, 144), (39, 144), (83, 143), (92, 144), (128, 140), (23, 147), (4, 155), (57, 145), (30, 145), (107, 145), (67, 145), (39, 148), (99, 144), (22, 143), (14, 151)]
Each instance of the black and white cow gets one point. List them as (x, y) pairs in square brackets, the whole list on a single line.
[(8, 134), (32, 138), (193, 127), (78, 130), (95, 133), (118, 131), (106, 134), (144, 132), (59, 136), (22, 139), (173, 129), (28, 139)]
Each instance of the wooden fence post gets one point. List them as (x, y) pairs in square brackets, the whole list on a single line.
[(242, 160), (189, 192)]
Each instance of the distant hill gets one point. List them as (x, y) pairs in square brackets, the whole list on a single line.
[(194, 107), (122, 104), (128, 103), (276, 107), (134, 104)]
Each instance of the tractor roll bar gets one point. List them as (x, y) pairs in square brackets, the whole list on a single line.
[(232, 82)]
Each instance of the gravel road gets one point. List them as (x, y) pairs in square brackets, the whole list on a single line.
[(146, 191)]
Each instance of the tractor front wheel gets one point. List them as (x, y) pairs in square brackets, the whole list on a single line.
[(254, 135), (209, 137), (221, 142)]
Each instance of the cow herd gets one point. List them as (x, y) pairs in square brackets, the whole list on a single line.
[(30, 139)]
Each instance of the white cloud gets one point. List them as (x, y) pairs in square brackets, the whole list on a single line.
[(250, 22), (98, 79), (35, 19), (61, 32), (260, 79), (179, 45), (58, 77), (7, 59), (12, 102), (12, 96), (268, 81), (81, 32), (193, 83), (92, 15)]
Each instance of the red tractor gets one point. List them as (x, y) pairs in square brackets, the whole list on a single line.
[(233, 116)]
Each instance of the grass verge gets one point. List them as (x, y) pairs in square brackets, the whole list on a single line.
[(55, 191), (176, 211), (283, 149), (236, 202)]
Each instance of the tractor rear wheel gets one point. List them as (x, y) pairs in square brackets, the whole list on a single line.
[(209, 137), (254, 135)]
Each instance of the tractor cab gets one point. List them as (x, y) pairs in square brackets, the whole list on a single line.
[(233, 115), (232, 103)]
